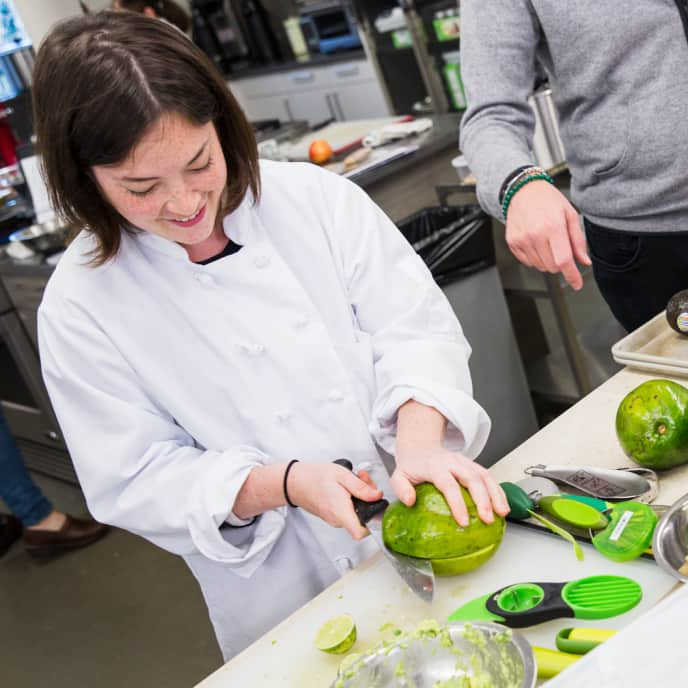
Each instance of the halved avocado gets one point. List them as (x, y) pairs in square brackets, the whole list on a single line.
[(427, 530), (453, 566)]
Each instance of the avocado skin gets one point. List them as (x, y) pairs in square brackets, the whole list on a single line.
[(427, 530), (677, 307), (652, 424)]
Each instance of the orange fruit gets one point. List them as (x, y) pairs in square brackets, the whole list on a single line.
[(319, 151)]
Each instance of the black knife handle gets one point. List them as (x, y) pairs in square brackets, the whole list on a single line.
[(364, 510)]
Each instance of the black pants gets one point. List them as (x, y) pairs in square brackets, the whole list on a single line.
[(637, 273)]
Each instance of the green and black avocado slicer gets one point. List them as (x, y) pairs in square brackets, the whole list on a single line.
[(620, 531), (527, 604)]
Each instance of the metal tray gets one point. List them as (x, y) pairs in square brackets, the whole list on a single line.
[(654, 348)]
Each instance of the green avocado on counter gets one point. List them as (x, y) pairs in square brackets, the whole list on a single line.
[(427, 530), (652, 424)]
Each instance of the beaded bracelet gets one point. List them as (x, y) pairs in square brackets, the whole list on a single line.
[(518, 186), (516, 176)]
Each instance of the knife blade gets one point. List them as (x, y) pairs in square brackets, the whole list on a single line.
[(416, 573)]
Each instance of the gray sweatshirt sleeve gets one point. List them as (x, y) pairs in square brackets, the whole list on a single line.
[(498, 44)]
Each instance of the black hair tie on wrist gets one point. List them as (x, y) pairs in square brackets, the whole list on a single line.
[(284, 483)]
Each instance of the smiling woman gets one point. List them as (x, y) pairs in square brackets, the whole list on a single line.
[(222, 329), (129, 59), (172, 185)]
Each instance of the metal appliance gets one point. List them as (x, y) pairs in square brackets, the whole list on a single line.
[(329, 26), (547, 145), (217, 31), (234, 33), (259, 32), (23, 397)]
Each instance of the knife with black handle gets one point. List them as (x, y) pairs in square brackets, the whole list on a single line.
[(416, 573)]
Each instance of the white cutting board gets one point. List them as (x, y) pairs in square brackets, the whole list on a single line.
[(374, 595), (338, 135)]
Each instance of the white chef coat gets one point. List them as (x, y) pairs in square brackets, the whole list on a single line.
[(172, 380)]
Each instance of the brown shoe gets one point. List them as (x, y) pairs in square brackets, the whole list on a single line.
[(75, 533), (10, 532)]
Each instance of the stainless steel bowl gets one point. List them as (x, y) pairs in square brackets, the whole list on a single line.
[(670, 539), (501, 657), (45, 239)]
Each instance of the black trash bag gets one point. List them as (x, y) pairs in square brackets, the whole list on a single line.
[(453, 241)]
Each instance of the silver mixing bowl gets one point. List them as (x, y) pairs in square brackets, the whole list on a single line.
[(45, 239), (424, 662), (670, 539)]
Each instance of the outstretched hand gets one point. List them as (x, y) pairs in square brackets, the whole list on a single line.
[(543, 231)]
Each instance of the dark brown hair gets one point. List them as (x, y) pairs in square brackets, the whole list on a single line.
[(100, 82), (167, 9)]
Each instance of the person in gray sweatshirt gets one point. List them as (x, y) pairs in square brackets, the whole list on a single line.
[(619, 76)]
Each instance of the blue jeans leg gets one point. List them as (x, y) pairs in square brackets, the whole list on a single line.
[(22, 495)]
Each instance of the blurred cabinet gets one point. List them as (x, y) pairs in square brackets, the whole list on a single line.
[(343, 91), (360, 101)]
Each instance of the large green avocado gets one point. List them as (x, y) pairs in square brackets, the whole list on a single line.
[(427, 530), (652, 424)]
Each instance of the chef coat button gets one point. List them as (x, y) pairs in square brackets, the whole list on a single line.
[(335, 395), (202, 278), (258, 349), (261, 261), (283, 417), (301, 322), (343, 564)]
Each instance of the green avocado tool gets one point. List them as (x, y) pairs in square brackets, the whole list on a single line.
[(521, 507), (580, 641), (629, 532), (573, 512), (528, 604)]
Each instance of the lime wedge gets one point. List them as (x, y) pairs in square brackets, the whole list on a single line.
[(337, 635)]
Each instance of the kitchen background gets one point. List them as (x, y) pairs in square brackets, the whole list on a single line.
[(301, 70)]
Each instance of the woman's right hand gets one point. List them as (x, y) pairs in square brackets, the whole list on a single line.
[(543, 231), (325, 490)]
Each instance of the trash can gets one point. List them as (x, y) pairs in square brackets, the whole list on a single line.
[(454, 241), (457, 246)]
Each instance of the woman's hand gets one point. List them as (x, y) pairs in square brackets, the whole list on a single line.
[(421, 458), (325, 490), (443, 468), (543, 231)]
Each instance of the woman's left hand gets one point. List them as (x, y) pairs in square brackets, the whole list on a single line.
[(443, 468)]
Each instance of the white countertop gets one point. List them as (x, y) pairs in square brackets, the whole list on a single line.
[(373, 594)]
